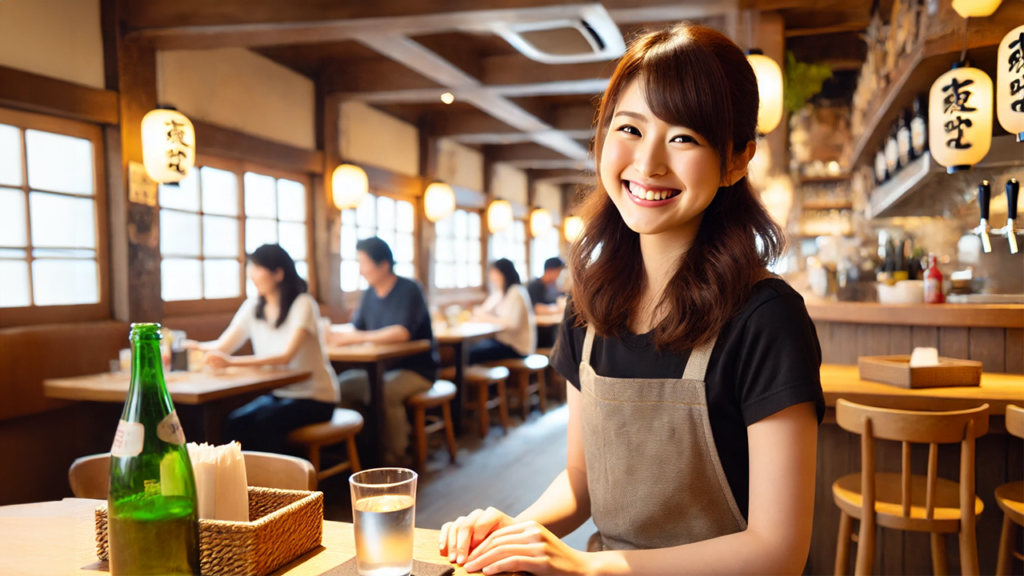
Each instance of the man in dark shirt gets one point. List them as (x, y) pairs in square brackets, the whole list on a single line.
[(392, 310), (545, 295)]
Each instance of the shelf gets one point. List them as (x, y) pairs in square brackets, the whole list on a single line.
[(802, 180), (827, 205)]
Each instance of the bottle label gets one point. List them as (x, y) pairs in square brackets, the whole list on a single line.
[(169, 430), (128, 439), (891, 154), (917, 134), (903, 141)]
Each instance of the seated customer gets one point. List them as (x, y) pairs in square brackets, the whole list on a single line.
[(547, 299), (508, 305), (392, 310), (281, 323)]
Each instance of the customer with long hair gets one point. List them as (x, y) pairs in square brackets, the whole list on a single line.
[(509, 307)]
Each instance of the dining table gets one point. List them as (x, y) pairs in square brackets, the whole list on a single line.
[(459, 337), (375, 359), (203, 398), (59, 538)]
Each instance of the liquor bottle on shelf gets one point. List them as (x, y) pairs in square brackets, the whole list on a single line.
[(906, 149), (881, 171), (892, 152), (151, 504), (933, 283), (919, 127)]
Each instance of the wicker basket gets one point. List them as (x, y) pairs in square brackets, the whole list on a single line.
[(896, 370), (284, 524)]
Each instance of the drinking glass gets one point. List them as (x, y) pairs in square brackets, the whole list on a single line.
[(384, 508)]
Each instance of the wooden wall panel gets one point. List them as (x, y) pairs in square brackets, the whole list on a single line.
[(954, 342), (900, 340), (872, 340), (927, 336), (1015, 350), (988, 346)]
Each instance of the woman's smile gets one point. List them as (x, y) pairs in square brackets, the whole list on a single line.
[(649, 195)]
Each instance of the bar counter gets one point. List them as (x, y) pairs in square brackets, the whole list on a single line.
[(951, 315)]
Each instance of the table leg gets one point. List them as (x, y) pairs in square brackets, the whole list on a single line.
[(461, 361), (377, 411)]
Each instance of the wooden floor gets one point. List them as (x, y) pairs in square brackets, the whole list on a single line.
[(508, 473)]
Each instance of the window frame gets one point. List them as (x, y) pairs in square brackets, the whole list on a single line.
[(485, 235), (527, 238), (239, 168), (97, 311)]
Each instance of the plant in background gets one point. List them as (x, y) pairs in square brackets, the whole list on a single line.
[(802, 82)]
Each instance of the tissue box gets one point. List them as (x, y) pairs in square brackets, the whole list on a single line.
[(283, 525), (896, 370)]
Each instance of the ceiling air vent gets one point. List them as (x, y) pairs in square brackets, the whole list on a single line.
[(590, 35)]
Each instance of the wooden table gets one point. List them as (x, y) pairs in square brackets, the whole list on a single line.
[(548, 320), (203, 399), (57, 538), (459, 337), (375, 359)]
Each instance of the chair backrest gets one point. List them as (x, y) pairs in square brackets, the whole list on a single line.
[(89, 476), (907, 426), (1015, 421)]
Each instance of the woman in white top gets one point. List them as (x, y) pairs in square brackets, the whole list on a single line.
[(508, 305), (282, 324)]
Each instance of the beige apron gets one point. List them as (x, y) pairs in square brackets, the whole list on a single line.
[(653, 472)]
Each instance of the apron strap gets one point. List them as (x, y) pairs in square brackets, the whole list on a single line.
[(588, 344), (697, 364)]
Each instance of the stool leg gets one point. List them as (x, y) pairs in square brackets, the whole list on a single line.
[(865, 547), (485, 417), (353, 455), (843, 544), (420, 430), (313, 455), (524, 393), (449, 430), (503, 406), (542, 391), (1006, 542), (968, 548), (940, 566)]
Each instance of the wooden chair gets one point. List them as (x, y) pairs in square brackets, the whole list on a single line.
[(482, 378), (1010, 497), (89, 476), (556, 384), (440, 394), (522, 369), (904, 501), (342, 427)]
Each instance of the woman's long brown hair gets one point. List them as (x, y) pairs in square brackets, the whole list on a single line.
[(695, 77)]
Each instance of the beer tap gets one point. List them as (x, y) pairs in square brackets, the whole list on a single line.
[(1010, 230), (983, 229)]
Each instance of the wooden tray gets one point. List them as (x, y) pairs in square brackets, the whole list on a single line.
[(896, 370), (284, 524)]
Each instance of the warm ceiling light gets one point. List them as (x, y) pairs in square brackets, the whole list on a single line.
[(540, 222), (573, 228), (168, 145), (769, 88), (975, 8), (349, 185), (447, 97), (439, 201), (499, 216), (960, 118), (1010, 66)]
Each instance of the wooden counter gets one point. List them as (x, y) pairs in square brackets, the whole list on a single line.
[(951, 315)]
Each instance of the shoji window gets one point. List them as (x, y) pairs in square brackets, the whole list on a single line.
[(458, 258), (511, 243), (544, 246)]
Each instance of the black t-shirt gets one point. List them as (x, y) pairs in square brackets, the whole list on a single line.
[(403, 306), (541, 293), (767, 358)]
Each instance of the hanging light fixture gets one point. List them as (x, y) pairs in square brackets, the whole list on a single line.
[(975, 8), (349, 184), (769, 89), (168, 145), (1010, 75), (573, 228), (960, 118), (439, 201), (499, 216), (540, 222)]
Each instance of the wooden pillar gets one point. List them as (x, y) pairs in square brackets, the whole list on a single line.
[(328, 219), (425, 237), (770, 37)]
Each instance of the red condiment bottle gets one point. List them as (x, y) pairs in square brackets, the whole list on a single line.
[(933, 283)]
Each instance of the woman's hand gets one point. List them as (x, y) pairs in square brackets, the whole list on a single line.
[(527, 547), (343, 338), (216, 359), (458, 538)]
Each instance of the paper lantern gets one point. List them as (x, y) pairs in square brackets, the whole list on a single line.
[(540, 222), (769, 88), (960, 118), (778, 198), (573, 228), (975, 8), (499, 216), (1010, 75), (168, 145), (439, 201), (349, 185)]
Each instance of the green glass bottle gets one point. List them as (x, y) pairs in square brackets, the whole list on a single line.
[(151, 507)]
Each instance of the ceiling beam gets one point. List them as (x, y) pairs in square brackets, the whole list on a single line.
[(379, 74), (852, 26), (518, 69), (499, 138), (518, 152), (466, 123)]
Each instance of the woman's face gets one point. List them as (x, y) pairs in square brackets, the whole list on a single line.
[(660, 177), (496, 279), (265, 281)]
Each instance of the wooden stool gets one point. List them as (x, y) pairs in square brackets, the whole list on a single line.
[(556, 383), (905, 501), (1010, 498), (522, 369), (440, 394), (343, 427)]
